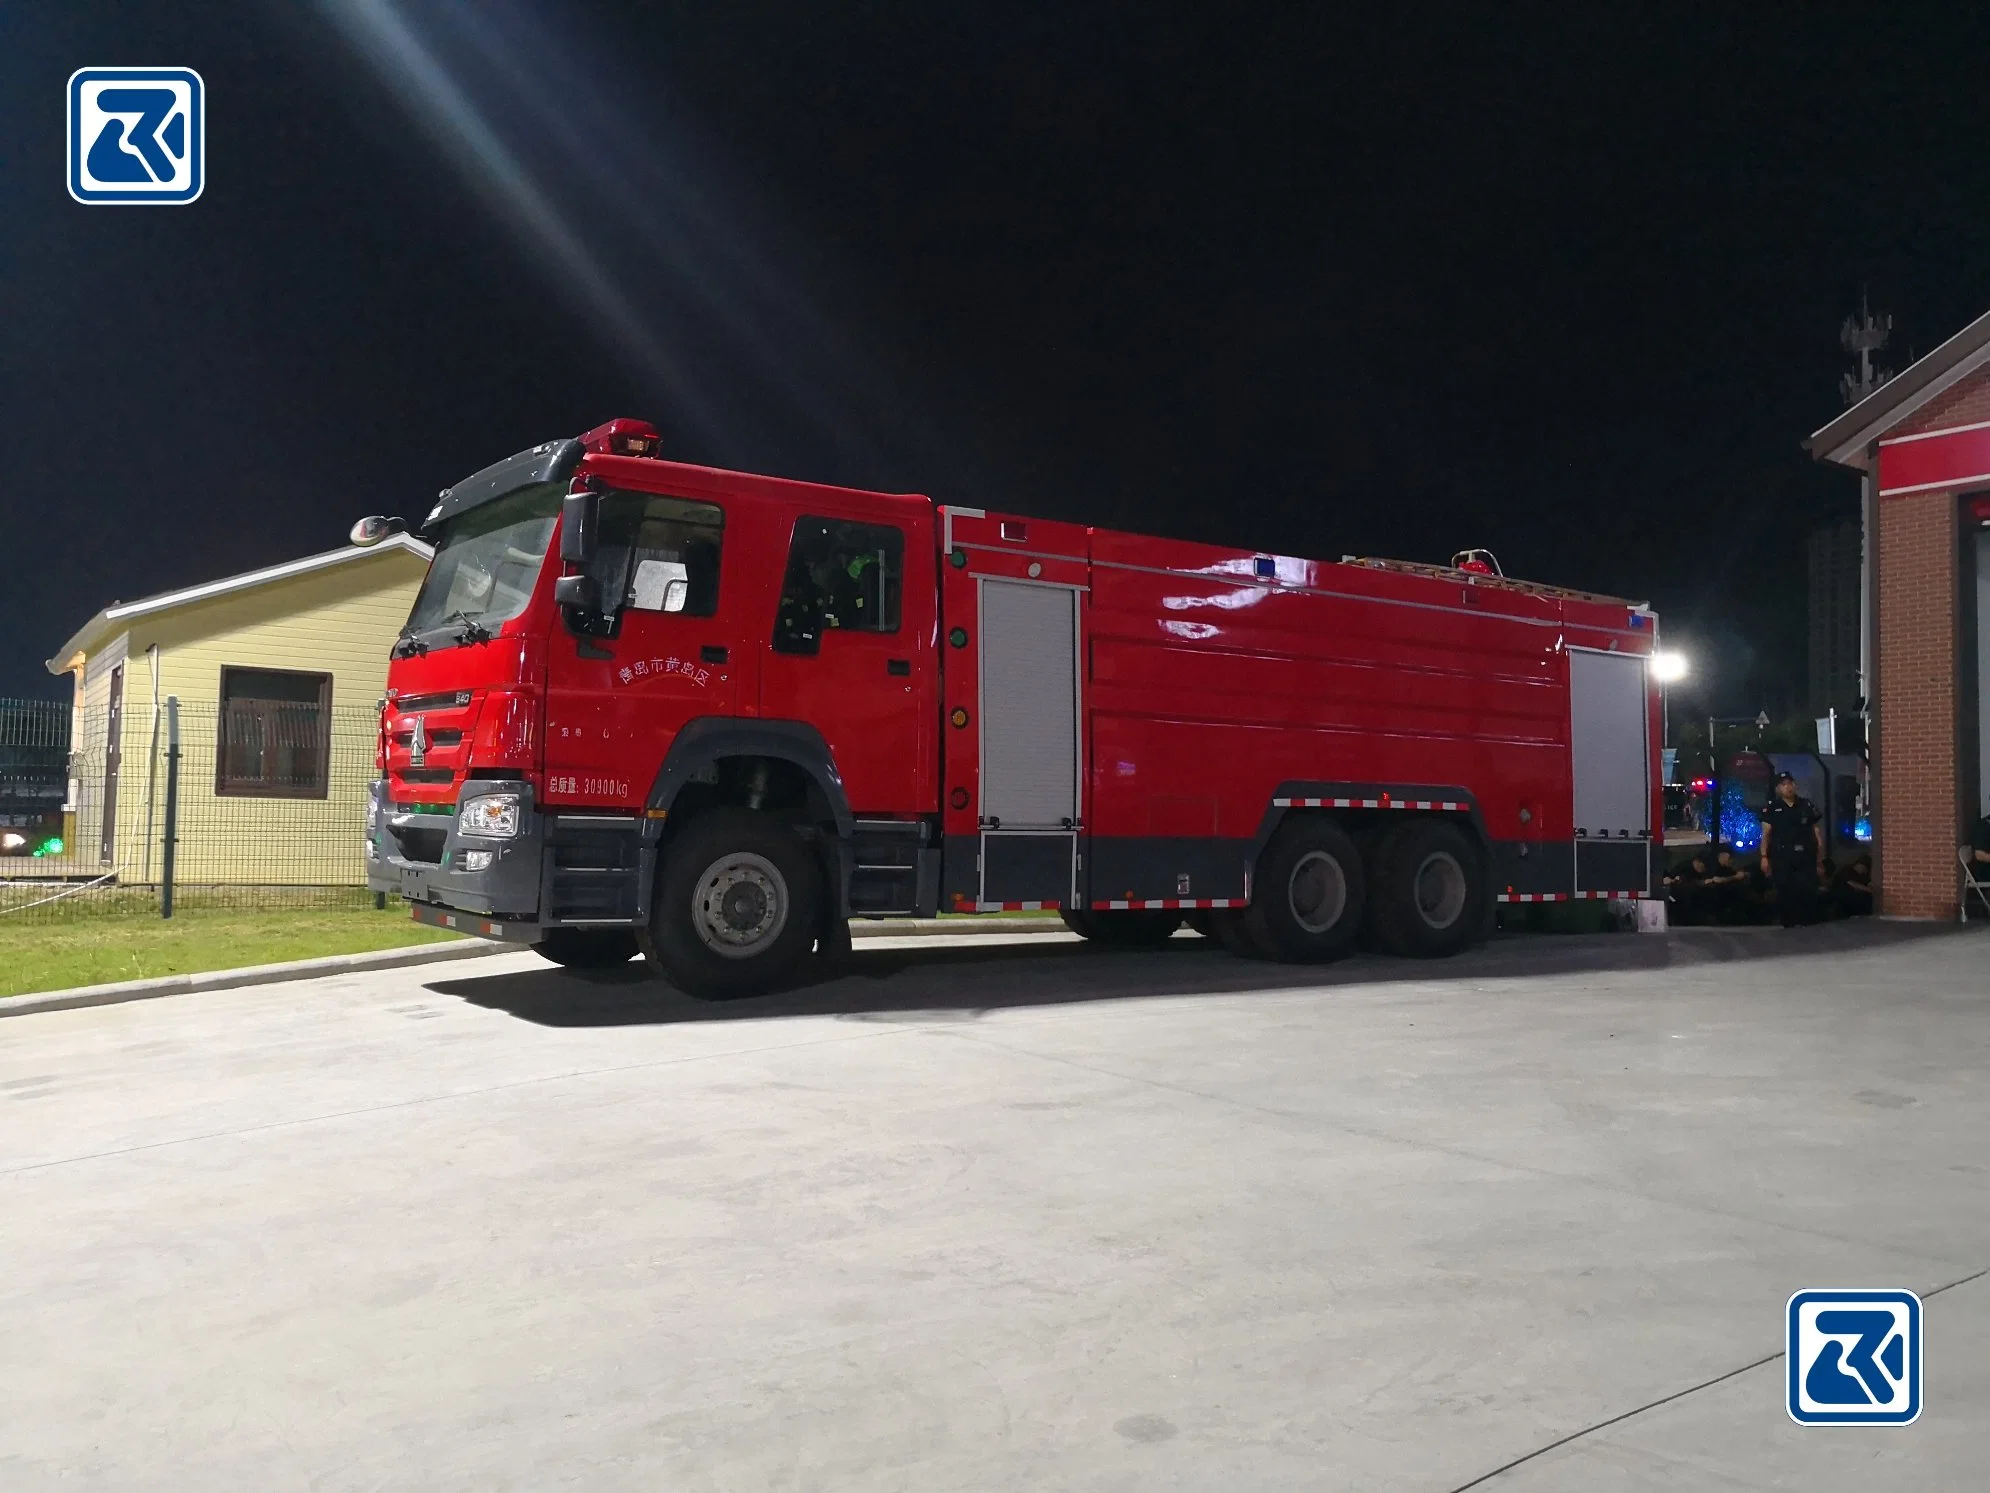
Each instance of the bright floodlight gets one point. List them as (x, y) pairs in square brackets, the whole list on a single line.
[(1668, 668)]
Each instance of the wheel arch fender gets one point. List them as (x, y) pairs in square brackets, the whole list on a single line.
[(697, 750)]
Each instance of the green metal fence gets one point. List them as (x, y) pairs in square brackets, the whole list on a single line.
[(268, 800)]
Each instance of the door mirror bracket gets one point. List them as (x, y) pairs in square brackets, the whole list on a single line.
[(578, 593), (579, 600), (580, 526)]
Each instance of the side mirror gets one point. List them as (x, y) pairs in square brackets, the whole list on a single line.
[(580, 527), (370, 531), (580, 593)]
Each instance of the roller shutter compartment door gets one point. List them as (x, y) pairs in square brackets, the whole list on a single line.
[(1029, 741), (1610, 764)]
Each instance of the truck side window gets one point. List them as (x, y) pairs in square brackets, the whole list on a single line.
[(841, 576), (636, 528)]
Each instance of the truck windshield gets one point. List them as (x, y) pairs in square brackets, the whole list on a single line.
[(486, 561)]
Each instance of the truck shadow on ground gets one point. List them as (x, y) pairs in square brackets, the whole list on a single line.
[(964, 982)]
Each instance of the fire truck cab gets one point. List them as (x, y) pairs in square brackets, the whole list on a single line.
[(711, 716)]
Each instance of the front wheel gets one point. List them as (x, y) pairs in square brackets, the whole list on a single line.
[(587, 948), (738, 906)]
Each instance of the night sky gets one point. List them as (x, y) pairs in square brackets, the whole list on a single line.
[(1267, 277)]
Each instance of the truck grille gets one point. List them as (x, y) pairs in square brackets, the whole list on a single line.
[(446, 701)]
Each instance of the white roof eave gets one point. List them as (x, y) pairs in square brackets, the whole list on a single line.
[(71, 652)]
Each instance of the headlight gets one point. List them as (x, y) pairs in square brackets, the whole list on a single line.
[(495, 816)]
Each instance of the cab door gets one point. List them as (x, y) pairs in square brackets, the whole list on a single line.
[(852, 649), (678, 649)]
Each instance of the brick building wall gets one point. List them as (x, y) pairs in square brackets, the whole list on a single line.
[(1923, 442), (1966, 404), (1917, 700)]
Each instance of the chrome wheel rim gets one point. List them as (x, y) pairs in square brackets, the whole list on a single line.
[(740, 906), (1317, 892), (1440, 889)]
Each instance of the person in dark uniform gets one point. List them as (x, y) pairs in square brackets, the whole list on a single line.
[(1792, 852)]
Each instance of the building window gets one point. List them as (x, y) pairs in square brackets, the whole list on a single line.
[(276, 734), (842, 577)]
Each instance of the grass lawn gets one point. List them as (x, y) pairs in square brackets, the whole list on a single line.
[(97, 950)]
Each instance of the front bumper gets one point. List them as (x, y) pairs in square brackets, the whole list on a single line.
[(559, 871), (503, 930)]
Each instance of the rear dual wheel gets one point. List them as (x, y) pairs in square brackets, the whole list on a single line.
[(1427, 890), (1307, 899), (1310, 896), (1420, 893)]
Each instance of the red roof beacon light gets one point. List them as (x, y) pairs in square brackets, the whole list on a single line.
[(623, 438)]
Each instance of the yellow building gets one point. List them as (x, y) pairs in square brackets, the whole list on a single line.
[(277, 675)]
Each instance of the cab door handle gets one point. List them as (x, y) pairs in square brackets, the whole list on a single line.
[(712, 654), (899, 666)]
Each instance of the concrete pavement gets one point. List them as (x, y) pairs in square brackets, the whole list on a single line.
[(1027, 1217), (120, 991)]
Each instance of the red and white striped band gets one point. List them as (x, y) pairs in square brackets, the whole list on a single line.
[(1181, 904), (1572, 896), (1167, 903), (1442, 805)]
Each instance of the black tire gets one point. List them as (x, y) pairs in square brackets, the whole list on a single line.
[(588, 948), (1124, 928), (1229, 926), (1310, 893), (1427, 890), (738, 906)]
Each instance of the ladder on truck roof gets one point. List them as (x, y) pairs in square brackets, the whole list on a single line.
[(1499, 582)]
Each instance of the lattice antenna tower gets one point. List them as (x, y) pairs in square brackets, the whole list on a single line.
[(1862, 336)]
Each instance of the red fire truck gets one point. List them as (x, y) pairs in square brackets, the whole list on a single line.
[(710, 716)]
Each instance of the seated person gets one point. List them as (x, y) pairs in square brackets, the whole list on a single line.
[(1852, 889), (1979, 851), (1732, 896), (1684, 890)]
